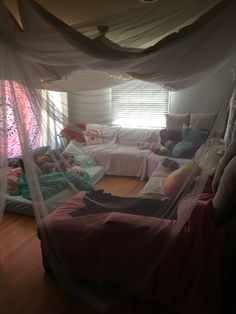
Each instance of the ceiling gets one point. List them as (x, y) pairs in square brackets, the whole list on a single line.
[(78, 11), (138, 25)]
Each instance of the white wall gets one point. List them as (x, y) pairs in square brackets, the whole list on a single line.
[(204, 97)]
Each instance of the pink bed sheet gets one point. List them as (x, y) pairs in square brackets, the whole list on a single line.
[(123, 248)]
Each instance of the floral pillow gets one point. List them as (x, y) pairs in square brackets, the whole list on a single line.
[(93, 136)]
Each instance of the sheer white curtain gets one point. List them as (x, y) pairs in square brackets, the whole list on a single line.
[(51, 126)]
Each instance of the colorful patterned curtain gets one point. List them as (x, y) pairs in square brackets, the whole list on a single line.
[(16, 108)]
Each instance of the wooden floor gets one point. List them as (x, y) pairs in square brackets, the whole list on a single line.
[(24, 286)]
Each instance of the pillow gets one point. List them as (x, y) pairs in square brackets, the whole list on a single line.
[(229, 154), (195, 136), (74, 132), (183, 150), (93, 137), (132, 136), (178, 179), (81, 157), (224, 199), (202, 120), (208, 156), (176, 121), (108, 132), (153, 189), (13, 175)]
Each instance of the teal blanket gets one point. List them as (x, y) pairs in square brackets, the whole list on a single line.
[(55, 182)]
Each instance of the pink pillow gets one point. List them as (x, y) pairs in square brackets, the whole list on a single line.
[(174, 182), (13, 175)]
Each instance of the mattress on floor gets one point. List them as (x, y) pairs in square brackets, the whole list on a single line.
[(20, 205), (96, 173)]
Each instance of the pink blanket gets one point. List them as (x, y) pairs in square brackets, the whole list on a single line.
[(125, 249)]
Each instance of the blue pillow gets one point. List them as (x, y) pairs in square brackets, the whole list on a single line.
[(184, 150), (194, 136)]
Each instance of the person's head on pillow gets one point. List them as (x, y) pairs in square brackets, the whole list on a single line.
[(229, 154)]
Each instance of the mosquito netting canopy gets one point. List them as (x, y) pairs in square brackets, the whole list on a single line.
[(173, 45)]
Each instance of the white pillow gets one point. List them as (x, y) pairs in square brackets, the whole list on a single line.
[(202, 120), (154, 189), (93, 136), (176, 121), (132, 136), (108, 132)]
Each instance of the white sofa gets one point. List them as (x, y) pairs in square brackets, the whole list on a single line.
[(115, 148), (119, 153)]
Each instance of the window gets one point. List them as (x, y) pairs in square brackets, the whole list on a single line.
[(54, 115), (144, 106)]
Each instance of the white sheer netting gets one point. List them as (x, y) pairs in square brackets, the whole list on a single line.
[(58, 129)]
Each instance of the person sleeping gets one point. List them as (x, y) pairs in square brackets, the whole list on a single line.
[(55, 161), (53, 180)]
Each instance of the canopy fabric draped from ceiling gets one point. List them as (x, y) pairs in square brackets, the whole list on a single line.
[(174, 45), (57, 53)]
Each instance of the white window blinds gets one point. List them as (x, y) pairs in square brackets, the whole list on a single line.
[(145, 106)]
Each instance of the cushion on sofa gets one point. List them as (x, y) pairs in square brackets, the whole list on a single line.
[(73, 132), (224, 199), (153, 189), (176, 121), (207, 157), (194, 135), (131, 137), (183, 150), (108, 133), (229, 154), (92, 136), (202, 120), (178, 179)]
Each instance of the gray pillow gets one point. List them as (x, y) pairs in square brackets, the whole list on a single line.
[(229, 154), (224, 199)]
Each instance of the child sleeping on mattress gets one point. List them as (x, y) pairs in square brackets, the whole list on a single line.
[(56, 161), (56, 181)]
